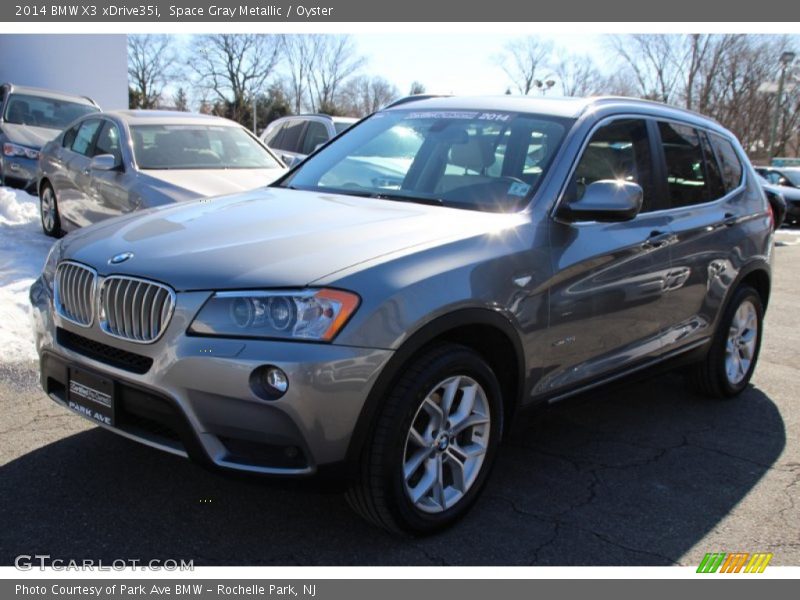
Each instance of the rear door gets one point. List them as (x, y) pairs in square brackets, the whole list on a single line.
[(607, 302), (707, 209)]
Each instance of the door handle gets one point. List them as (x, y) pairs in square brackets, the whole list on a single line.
[(87, 171), (729, 220), (657, 239)]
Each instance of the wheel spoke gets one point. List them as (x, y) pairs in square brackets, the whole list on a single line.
[(434, 412), (450, 390), (415, 462), (426, 483), (438, 485), (456, 467), (418, 438), (467, 422)]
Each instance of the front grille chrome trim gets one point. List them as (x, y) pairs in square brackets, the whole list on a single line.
[(135, 310), (74, 290)]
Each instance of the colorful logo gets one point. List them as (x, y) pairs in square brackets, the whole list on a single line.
[(734, 562)]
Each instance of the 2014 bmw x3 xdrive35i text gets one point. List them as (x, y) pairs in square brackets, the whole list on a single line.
[(384, 311)]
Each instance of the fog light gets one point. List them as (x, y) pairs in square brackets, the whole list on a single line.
[(269, 382)]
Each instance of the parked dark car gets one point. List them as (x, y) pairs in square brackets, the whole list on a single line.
[(389, 331), (29, 118), (113, 163), (785, 201), (293, 138)]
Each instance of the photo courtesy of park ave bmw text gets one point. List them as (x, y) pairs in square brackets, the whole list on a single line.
[(320, 295)]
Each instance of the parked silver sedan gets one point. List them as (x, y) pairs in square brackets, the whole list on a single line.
[(108, 164)]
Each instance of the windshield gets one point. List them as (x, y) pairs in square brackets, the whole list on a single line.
[(198, 147), (39, 111), (467, 159)]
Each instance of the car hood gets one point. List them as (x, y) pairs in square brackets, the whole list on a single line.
[(269, 238), (27, 135), (216, 182)]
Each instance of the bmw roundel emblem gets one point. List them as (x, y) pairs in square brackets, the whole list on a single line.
[(120, 258)]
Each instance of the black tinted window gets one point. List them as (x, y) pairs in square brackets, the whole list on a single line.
[(686, 173), (291, 136), (729, 161), (715, 185), (83, 140), (617, 151), (69, 136), (316, 134), (273, 138)]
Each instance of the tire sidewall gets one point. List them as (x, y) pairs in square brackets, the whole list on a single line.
[(54, 232), (740, 296), (460, 362)]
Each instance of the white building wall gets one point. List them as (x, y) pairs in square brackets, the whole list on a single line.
[(87, 65)]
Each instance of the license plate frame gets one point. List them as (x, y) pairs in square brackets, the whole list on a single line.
[(91, 395)]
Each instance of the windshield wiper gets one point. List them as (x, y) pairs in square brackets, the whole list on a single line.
[(407, 198)]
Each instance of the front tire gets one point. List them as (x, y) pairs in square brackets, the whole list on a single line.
[(732, 358), (48, 211), (433, 445)]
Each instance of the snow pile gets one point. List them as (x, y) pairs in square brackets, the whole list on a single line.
[(23, 249)]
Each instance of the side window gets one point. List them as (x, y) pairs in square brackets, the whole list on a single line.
[(291, 136), (716, 187), (729, 162), (316, 134), (619, 150), (273, 138), (687, 180), (69, 136), (108, 142), (82, 144)]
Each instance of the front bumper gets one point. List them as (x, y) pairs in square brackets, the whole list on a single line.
[(191, 396)]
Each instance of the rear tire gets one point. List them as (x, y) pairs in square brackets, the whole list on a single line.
[(433, 445), (733, 355), (48, 211)]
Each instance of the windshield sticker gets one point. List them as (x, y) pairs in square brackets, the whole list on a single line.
[(442, 115), (494, 117), (519, 189)]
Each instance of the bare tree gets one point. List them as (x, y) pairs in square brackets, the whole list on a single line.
[(234, 67), (181, 100), (151, 64), (300, 52), (655, 60), (363, 95), (525, 59), (577, 75), (336, 59), (416, 88)]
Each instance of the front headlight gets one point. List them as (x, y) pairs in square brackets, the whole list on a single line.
[(316, 315), (10, 149), (50, 264)]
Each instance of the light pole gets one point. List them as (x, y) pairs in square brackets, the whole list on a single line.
[(544, 86), (786, 59)]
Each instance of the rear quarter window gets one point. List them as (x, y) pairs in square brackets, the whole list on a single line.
[(730, 165)]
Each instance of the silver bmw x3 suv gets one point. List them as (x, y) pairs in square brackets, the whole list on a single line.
[(383, 312)]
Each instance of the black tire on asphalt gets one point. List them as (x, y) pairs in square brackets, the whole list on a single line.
[(56, 230), (378, 493), (708, 377)]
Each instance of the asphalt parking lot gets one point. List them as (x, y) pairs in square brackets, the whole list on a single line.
[(639, 474)]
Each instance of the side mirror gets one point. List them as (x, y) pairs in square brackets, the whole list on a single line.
[(607, 201), (104, 162)]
